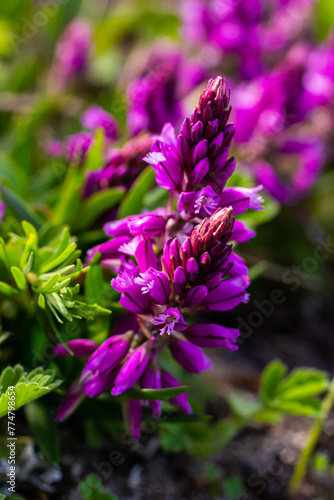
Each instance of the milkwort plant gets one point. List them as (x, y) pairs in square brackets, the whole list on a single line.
[(170, 263)]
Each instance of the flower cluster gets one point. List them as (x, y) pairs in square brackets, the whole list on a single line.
[(171, 263), (121, 166), (251, 32), (282, 90), (155, 97)]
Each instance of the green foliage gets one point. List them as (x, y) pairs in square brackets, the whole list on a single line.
[(91, 489), (296, 393), (26, 386), (48, 273)]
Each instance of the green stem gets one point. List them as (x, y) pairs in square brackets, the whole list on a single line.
[(313, 438)]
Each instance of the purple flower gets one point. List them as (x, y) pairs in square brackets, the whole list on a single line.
[(240, 199), (181, 401), (190, 356), (72, 54), (72, 400), (170, 320), (205, 335), (102, 367), (121, 166), (77, 147), (134, 411), (79, 347), (199, 158), (169, 263), (132, 369), (200, 203), (151, 379), (155, 97), (310, 158), (96, 117), (241, 233), (227, 28)]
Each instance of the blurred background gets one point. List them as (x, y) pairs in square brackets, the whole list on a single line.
[(145, 62)]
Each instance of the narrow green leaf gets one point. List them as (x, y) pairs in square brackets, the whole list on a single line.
[(7, 290), (22, 209), (58, 260), (157, 394), (47, 285), (96, 205), (28, 229), (133, 202), (19, 278), (94, 284), (41, 301)]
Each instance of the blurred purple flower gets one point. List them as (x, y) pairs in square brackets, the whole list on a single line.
[(72, 54), (156, 96)]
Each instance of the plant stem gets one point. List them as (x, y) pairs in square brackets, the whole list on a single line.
[(313, 438)]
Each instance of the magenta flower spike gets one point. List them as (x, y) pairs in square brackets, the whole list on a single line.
[(172, 262)]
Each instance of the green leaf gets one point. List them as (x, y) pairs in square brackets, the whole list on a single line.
[(306, 408), (303, 383), (271, 378), (10, 376), (44, 429), (22, 209), (41, 301), (29, 229), (24, 388), (94, 284), (91, 489), (19, 277), (96, 205), (68, 205), (53, 263), (7, 290), (94, 158), (133, 202), (157, 394)]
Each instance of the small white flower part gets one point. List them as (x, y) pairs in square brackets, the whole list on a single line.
[(256, 200), (129, 248), (154, 158), (146, 283)]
